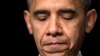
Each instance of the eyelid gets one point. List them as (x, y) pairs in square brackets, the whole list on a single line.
[(67, 15), (41, 15)]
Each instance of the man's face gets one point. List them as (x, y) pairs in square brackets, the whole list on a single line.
[(58, 26)]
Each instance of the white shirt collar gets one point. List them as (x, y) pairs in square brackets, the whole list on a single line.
[(79, 53)]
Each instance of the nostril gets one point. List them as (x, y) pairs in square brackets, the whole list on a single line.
[(48, 34), (60, 34)]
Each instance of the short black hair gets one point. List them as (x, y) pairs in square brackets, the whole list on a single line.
[(86, 4)]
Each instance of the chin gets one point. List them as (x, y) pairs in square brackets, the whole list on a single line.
[(64, 53)]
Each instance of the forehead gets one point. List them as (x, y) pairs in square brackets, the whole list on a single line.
[(55, 4)]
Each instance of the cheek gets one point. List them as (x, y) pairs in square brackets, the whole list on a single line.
[(73, 33), (38, 29), (36, 34), (74, 30)]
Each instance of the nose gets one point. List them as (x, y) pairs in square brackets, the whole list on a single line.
[(54, 28)]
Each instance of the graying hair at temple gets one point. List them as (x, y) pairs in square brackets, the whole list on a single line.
[(86, 3)]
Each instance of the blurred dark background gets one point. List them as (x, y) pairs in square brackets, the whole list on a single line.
[(23, 43)]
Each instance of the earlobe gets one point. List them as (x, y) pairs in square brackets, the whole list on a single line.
[(27, 20), (90, 20)]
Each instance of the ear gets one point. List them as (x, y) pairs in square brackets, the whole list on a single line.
[(27, 20), (91, 19)]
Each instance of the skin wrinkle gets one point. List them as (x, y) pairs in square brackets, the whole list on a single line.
[(70, 27), (55, 18), (51, 30)]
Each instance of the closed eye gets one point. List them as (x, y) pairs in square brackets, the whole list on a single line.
[(66, 13), (41, 14), (67, 16), (41, 17)]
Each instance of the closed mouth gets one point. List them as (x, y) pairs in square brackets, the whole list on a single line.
[(55, 43)]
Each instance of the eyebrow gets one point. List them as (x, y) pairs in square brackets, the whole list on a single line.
[(40, 11), (66, 11)]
